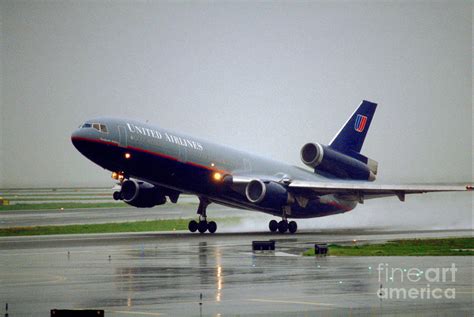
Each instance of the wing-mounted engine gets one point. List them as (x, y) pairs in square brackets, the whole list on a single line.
[(141, 194), (329, 161), (267, 194)]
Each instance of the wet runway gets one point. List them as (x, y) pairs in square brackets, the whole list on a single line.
[(185, 208), (165, 274), (108, 215)]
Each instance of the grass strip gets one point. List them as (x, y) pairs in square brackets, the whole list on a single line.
[(136, 226), (11, 199), (408, 247), (17, 196), (52, 189), (57, 206)]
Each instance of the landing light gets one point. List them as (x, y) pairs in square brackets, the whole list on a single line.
[(127, 155), (217, 176), (117, 175)]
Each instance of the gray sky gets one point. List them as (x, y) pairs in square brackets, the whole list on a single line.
[(265, 77)]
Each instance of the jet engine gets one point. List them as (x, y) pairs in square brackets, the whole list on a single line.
[(267, 194), (329, 161), (141, 194)]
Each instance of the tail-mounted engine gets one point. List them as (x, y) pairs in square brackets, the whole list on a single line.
[(141, 194), (329, 161)]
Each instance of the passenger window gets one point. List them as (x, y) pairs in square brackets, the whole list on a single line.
[(103, 128), (96, 126)]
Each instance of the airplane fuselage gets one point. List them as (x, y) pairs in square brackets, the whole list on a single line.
[(190, 165)]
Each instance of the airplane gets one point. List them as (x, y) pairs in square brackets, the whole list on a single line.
[(153, 164)]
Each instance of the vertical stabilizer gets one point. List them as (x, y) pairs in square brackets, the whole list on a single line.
[(350, 138)]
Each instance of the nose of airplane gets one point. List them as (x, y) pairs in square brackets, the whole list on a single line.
[(83, 138), (88, 140), (76, 138)]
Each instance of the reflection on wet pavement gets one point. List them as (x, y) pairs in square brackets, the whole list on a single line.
[(165, 275)]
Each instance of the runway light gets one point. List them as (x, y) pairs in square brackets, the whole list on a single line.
[(127, 155), (62, 208), (212, 164), (217, 176)]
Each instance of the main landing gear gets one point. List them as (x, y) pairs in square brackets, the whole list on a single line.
[(283, 226), (202, 226)]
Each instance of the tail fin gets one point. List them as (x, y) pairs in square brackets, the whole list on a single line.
[(350, 138)]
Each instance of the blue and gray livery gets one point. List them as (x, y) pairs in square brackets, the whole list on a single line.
[(154, 165)]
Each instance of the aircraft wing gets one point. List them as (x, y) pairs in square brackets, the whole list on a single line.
[(370, 190), (352, 190)]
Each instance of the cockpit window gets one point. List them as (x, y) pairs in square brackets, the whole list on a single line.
[(98, 126)]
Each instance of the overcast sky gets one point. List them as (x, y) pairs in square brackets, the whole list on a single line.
[(265, 77)]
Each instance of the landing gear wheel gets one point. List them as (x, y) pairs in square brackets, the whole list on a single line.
[(212, 227), (202, 226), (273, 225), (283, 226), (292, 227), (193, 226), (117, 195)]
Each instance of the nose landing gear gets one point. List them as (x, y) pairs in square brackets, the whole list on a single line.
[(202, 226)]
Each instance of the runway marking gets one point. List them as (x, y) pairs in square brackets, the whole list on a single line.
[(289, 302)]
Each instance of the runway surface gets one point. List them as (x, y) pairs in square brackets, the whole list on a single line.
[(108, 215), (185, 208), (150, 274)]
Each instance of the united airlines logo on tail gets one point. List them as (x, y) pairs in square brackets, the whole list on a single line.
[(360, 123)]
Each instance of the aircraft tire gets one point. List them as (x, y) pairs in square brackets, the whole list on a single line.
[(202, 226), (273, 225), (292, 226), (212, 227), (283, 226), (117, 195), (193, 226)]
